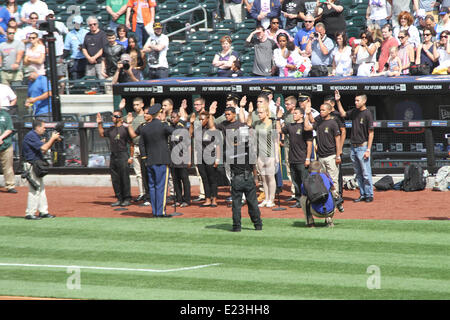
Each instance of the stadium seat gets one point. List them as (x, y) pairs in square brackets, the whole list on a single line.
[(247, 57), (240, 35), (162, 15), (357, 22), (239, 46), (206, 57), (194, 47), (353, 32), (248, 24), (356, 3), (247, 67), (224, 25), (170, 6), (202, 69), (213, 47), (188, 4), (217, 34), (179, 70), (186, 57), (356, 12), (198, 36), (175, 46), (210, 5)]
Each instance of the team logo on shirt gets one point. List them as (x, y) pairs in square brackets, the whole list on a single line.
[(117, 137), (361, 121), (299, 131), (326, 130)]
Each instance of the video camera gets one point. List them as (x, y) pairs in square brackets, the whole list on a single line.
[(60, 128), (26, 175)]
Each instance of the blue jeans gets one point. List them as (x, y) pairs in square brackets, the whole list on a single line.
[(363, 171), (381, 22), (141, 34)]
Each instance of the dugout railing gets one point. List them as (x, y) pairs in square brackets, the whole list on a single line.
[(396, 144)]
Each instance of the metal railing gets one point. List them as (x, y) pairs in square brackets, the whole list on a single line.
[(188, 26)]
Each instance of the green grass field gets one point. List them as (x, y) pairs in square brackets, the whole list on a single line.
[(284, 261)]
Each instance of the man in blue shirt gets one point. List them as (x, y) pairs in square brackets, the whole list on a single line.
[(301, 38), (4, 19), (321, 210), (72, 48), (319, 47), (33, 147), (39, 95)]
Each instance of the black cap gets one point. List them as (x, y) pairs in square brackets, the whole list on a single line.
[(267, 90), (154, 109), (232, 96), (303, 97)]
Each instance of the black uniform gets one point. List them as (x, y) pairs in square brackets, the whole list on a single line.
[(326, 130), (242, 182), (179, 144), (120, 173), (142, 160), (297, 152)]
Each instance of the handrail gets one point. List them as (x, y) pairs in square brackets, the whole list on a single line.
[(205, 20)]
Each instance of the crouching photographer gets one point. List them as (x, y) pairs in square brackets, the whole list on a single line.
[(126, 71), (35, 168)]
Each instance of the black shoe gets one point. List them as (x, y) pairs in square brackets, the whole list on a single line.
[(258, 227), (46, 215), (368, 199), (359, 199), (236, 229), (205, 205), (140, 198), (198, 199), (12, 190), (32, 217), (116, 204), (292, 198), (125, 203), (296, 205), (341, 207)]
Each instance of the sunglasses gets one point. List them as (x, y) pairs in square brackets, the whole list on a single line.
[(32, 38), (444, 36), (11, 33), (309, 21), (117, 116), (363, 37), (427, 34), (33, 18), (401, 37), (275, 22)]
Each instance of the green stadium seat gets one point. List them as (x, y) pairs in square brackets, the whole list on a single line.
[(238, 45), (188, 4), (206, 57), (353, 32), (248, 24), (162, 15), (179, 70), (187, 57), (198, 36), (202, 69), (175, 46), (213, 47), (247, 57), (224, 25), (247, 67), (356, 3), (240, 35), (169, 6), (194, 47), (356, 12), (210, 4), (217, 34), (358, 22)]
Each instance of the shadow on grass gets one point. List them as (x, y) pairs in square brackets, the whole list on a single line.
[(225, 227), (318, 224)]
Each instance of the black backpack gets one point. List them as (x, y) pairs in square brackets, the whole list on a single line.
[(315, 189), (385, 183), (413, 178)]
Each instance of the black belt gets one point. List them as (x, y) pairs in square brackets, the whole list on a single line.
[(355, 145), (245, 174)]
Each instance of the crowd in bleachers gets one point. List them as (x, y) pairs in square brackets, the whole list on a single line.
[(289, 38)]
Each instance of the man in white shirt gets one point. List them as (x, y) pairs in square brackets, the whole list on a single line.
[(38, 6), (157, 46)]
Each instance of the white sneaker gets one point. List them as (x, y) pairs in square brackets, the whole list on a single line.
[(270, 204), (262, 204)]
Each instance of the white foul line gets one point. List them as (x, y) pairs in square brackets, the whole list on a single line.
[(107, 268)]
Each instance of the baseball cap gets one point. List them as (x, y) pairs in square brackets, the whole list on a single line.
[(157, 25), (444, 10), (49, 12), (78, 19)]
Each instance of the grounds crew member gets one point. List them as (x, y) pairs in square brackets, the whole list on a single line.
[(118, 141), (154, 136), (6, 149), (33, 148)]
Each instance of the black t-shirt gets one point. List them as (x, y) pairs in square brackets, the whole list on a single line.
[(297, 141), (308, 6), (326, 131), (155, 138), (239, 159), (205, 150), (112, 57), (334, 21), (118, 138), (362, 122), (94, 42), (334, 115), (292, 7), (180, 142), (230, 135), (141, 142)]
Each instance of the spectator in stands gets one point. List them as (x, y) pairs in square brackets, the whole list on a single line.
[(39, 100), (364, 55), (125, 72), (430, 7), (122, 35), (94, 42), (143, 16), (378, 12), (393, 66), (443, 53), (342, 56), (375, 32), (248, 4), (290, 10), (388, 42), (236, 69), (406, 51), (263, 10), (426, 51), (406, 20), (331, 13), (14, 10), (35, 54), (24, 33), (157, 46), (225, 58), (274, 30), (397, 7), (307, 7), (444, 23), (117, 10), (136, 55), (37, 6), (111, 53), (320, 48), (301, 38), (233, 10), (4, 19), (430, 22), (262, 64), (72, 47), (11, 55), (288, 60)]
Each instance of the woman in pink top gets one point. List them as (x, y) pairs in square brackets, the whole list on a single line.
[(405, 51), (35, 54), (274, 30)]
